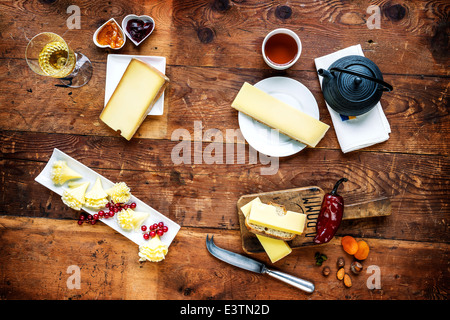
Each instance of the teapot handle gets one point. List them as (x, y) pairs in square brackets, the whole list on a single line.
[(386, 86)]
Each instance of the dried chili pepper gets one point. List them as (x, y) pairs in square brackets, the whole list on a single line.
[(330, 215)]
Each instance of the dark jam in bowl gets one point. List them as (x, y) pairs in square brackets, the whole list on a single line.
[(138, 29)]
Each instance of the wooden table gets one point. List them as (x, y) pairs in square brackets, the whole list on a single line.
[(212, 47)]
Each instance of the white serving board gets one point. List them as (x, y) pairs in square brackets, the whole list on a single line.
[(91, 176)]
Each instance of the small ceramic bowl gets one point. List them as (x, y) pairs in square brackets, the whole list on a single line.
[(143, 18), (94, 38)]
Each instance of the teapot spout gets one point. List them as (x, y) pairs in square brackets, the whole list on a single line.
[(325, 74)]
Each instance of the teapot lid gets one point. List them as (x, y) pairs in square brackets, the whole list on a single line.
[(357, 85)]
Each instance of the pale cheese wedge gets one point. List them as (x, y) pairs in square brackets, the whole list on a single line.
[(278, 115)]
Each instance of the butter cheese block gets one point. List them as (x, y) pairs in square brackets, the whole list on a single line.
[(276, 249), (278, 115), (139, 88), (270, 232), (267, 216)]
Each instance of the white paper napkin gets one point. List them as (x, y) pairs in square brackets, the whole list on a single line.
[(367, 129)]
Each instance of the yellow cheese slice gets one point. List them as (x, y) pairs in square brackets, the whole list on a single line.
[(266, 215), (276, 249), (278, 115), (139, 88)]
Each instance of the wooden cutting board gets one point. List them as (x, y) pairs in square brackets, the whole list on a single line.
[(305, 200)]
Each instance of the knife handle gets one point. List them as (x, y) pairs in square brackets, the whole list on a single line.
[(293, 281)]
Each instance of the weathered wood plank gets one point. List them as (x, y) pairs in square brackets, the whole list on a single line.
[(416, 109), (205, 195), (36, 254), (208, 33)]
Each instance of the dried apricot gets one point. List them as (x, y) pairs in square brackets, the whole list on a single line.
[(363, 250), (349, 245)]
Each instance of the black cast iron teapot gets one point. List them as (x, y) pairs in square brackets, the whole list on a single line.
[(353, 85)]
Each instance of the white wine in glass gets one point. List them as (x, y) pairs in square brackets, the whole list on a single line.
[(49, 55)]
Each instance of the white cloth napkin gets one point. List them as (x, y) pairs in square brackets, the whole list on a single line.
[(363, 131)]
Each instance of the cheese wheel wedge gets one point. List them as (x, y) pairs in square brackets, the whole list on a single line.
[(278, 115), (139, 88)]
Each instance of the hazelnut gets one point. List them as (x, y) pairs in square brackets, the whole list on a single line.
[(356, 267), (340, 262), (347, 281), (326, 271), (340, 274)]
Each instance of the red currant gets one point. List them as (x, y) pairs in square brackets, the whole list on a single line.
[(152, 234), (144, 228), (146, 236), (133, 205), (101, 213), (159, 232), (165, 229), (80, 222)]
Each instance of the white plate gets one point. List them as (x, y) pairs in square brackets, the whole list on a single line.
[(115, 67), (90, 175), (260, 136)]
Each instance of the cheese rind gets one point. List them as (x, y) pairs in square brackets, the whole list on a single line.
[(266, 215), (139, 88), (278, 115)]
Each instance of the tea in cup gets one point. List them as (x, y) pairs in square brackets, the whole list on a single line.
[(281, 48)]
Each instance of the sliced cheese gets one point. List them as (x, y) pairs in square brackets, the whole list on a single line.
[(275, 249), (278, 115), (139, 88), (266, 215)]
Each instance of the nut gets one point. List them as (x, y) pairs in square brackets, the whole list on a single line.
[(326, 271), (347, 281), (356, 267), (340, 274), (340, 262)]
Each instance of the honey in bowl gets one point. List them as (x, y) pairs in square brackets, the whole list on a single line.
[(281, 49), (110, 35)]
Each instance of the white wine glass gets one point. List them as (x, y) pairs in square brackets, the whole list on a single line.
[(49, 55)]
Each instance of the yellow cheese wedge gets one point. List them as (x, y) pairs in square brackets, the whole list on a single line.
[(266, 215), (278, 115), (275, 249), (139, 88)]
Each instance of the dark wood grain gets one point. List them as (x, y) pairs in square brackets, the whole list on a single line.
[(109, 268), (212, 47)]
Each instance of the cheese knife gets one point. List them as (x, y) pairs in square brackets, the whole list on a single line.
[(249, 264)]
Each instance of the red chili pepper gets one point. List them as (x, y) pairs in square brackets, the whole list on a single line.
[(330, 215)]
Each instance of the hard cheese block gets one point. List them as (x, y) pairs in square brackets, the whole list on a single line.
[(266, 215), (139, 88), (279, 115), (275, 249)]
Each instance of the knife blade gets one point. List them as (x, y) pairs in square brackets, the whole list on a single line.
[(249, 264)]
